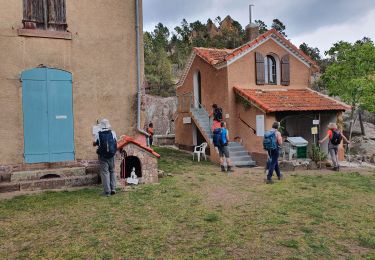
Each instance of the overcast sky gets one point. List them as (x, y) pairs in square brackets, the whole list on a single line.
[(319, 23)]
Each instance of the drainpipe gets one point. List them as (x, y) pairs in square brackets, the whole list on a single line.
[(139, 94)]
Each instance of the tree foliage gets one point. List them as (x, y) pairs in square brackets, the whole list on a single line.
[(313, 53), (279, 26), (262, 26), (158, 67), (351, 75)]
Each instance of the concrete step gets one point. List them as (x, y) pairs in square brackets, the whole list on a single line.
[(53, 183), (236, 149), (48, 173), (235, 144), (239, 153), (241, 158), (244, 163)]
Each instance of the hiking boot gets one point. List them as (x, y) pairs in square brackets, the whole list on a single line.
[(105, 194), (269, 181), (113, 192), (230, 169), (280, 177), (335, 169), (222, 168)]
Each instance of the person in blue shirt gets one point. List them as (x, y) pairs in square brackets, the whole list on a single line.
[(223, 149)]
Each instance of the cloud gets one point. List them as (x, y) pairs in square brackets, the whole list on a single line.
[(351, 31)]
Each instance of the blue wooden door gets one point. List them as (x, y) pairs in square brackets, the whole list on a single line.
[(47, 115)]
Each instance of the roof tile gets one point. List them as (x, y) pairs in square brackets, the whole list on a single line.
[(125, 140), (290, 100), (216, 56)]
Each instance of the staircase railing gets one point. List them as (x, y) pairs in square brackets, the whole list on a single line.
[(187, 102)]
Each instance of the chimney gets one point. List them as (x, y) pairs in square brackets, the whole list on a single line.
[(252, 29)]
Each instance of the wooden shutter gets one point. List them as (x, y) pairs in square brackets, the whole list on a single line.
[(57, 15), (259, 69), (285, 71), (33, 14)]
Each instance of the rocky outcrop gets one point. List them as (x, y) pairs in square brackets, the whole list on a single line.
[(160, 111)]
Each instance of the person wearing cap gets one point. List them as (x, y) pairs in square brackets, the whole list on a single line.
[(106, 141), (333, 147)]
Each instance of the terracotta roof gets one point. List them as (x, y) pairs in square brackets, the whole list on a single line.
[(212, 56), (290, 100), (217, 56), (125, 140)]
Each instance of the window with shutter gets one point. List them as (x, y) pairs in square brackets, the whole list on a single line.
[(271, 70), (44, 14), (259, 69), (285, 71)]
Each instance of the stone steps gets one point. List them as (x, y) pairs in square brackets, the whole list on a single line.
[(38, 174), (239, 155), (49, 179), (53, 183)]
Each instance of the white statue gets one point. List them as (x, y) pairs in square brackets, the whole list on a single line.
[(133, 178)]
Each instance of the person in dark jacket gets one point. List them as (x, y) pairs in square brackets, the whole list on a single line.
[(106, 141)]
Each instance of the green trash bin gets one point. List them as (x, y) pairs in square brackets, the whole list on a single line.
[(302, 152)]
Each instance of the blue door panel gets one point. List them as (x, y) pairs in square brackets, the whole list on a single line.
[(60, 120), (48, 115), (34, 74), (35, 121)]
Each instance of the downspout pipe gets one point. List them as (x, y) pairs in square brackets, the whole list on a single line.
[(138, 53)]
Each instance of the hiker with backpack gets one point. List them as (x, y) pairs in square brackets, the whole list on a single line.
[(106, 141), (335, 136), (271, 143), (220, 140)]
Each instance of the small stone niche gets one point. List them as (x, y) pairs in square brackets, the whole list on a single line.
[(144, 159)]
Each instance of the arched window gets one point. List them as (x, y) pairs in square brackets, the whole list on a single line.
[(271, 70)]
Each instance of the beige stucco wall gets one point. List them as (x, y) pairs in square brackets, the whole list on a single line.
[(241, 73), (101, 57)]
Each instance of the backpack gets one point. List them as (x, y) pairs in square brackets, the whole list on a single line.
[(336, 137), (269, 141), (107, 144), (218, 114), (217, 137)]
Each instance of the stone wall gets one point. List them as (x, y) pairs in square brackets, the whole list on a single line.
[(149, 163), (160, 111)]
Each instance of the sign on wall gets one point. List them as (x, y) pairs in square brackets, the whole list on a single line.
[(260, 125), (186, 120), (316, 122)]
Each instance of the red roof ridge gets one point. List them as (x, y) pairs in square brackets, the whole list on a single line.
[(124, 140), (234, 52), (291, 99)]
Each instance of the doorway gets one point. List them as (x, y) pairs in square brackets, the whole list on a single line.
[(197, 89), (47, 106)]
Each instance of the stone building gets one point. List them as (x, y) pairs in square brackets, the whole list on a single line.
[(139, 156), (267, 79), (64, 65)]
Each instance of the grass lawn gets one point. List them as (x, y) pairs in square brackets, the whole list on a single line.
[(198, 213)]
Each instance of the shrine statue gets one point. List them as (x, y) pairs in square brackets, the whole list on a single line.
[(133, 177)]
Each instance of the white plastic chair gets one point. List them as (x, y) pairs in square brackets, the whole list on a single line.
[(200, 149)]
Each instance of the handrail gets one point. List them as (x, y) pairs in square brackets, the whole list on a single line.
[(193, 100), (243, 121)]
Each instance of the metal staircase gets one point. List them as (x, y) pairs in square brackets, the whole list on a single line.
[(238, 154)]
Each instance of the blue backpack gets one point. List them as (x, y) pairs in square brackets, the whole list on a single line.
[(107, 144), (217, 137), (269, 141)]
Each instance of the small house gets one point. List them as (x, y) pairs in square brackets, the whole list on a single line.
[(267, 79)]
